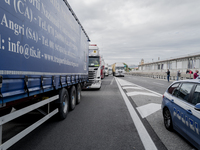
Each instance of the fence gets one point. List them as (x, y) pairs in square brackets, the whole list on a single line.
[(161, 75)]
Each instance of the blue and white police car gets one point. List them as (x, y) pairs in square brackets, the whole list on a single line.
[(181, 109)]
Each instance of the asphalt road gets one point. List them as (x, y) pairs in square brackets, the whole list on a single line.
[(103, 120)]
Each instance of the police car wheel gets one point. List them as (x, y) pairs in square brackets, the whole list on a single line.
[(167, 119)]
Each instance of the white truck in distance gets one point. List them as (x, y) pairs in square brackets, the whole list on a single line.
[(94, 74), (119, 69), (106, 70), (102, 67), (110, 70)]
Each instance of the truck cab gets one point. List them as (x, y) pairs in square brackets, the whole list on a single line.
[(94, 74), (119, 69)]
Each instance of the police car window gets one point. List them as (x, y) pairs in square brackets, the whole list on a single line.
[(174, 86), (184, 91), (196, 95)]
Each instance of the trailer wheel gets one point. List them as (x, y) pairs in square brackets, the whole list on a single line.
[(78, 93), (64, 103), (72, 98)]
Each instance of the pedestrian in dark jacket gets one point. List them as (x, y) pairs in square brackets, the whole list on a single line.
[(168, 74), (178, 74)]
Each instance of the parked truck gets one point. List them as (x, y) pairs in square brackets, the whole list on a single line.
[(94, 80), (102, 67), (43, 60), (106, 70), (118, 69), (109, 70)]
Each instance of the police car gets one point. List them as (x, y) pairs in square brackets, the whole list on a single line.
[(181, 109)]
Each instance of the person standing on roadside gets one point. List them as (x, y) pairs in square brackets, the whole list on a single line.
[(195, 75), (178, 74), (168, 74)]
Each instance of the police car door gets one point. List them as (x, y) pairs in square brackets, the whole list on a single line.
[(194, 117), (182, 112)]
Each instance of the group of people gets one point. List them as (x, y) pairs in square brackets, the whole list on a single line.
[(195, 75)]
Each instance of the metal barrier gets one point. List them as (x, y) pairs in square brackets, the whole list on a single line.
[(21, 112), (162, 75)]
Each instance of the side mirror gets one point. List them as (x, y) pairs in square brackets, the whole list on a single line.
[(197, 107)]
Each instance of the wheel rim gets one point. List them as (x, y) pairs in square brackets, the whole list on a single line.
[(73, 99), (65, 104), (79, 95), (167, 118)]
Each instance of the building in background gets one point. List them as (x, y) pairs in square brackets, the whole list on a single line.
[(191, 62)]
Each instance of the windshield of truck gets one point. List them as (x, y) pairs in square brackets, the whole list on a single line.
[(94, 62), (106, 68), (119, 68)]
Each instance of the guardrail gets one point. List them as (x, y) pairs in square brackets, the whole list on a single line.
[(16, 114), (162, 75)]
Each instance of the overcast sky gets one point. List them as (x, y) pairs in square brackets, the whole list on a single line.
[(129, 30)]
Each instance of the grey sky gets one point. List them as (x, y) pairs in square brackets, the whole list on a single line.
[(129, 30)]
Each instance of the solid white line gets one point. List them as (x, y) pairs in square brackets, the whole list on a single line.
[(144, 136)]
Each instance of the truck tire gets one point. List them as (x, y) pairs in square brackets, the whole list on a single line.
[(78, 93), (72, 98), (63, 107)]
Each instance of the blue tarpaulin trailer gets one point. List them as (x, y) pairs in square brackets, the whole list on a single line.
[(43, 48), (43, 60)]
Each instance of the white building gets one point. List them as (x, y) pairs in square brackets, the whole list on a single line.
[(191, 62)]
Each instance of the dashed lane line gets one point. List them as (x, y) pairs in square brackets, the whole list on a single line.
[(129, 87), (112, 81), (158, 83)]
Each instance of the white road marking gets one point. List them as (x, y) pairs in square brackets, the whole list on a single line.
[(124, 82), (129, 83), (148, 109), (130, 87), (141, 93), (112, 81), (158, 83), (144, 136)]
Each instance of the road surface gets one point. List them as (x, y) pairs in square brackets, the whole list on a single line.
[(124, 114)]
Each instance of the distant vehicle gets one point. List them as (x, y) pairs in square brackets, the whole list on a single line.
[(94, 74), (181, 109), (110, 70), (106, 70), (102, 68), (119, 69)]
